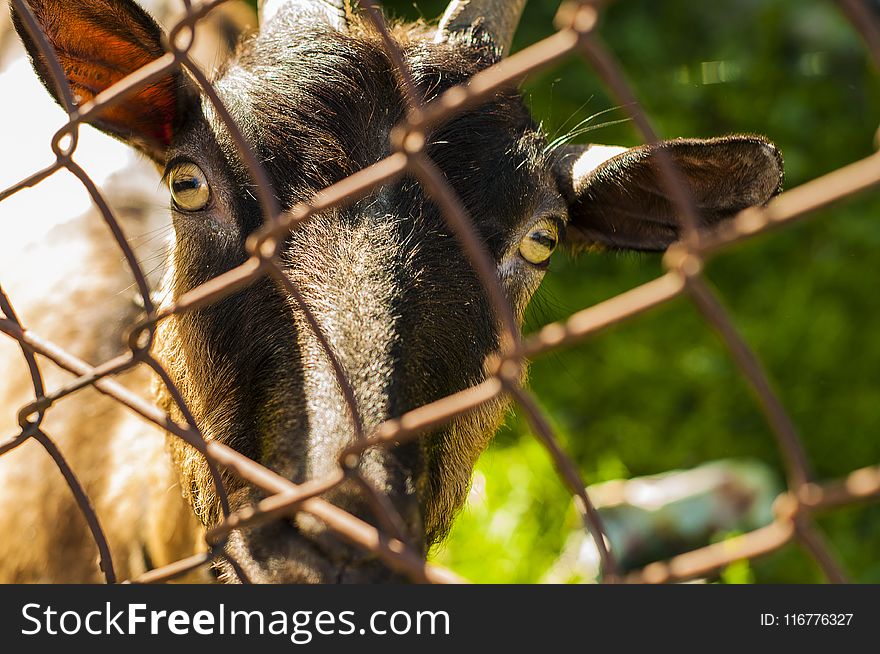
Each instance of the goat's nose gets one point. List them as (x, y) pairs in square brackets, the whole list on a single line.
[(394, 515)]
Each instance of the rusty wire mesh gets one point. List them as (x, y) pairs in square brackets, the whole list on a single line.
[(684, 262)]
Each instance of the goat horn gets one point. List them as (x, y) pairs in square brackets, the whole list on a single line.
[(497, 18), (331, 11)]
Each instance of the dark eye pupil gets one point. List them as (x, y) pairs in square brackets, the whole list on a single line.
[(544, 239), (185, 184)]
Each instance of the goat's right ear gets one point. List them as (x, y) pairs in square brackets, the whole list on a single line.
[(617, 198), (99, 42)]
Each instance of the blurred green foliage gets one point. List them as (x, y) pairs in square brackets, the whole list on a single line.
[(661, 393)]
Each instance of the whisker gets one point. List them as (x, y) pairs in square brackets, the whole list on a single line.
[(570, 118), (580, 128)]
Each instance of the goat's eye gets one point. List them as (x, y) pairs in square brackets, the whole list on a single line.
[(540, 242), (189, 187)]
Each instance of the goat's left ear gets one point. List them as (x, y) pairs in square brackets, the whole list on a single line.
[(617, 199), (99, 42)]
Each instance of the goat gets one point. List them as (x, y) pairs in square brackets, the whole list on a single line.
[(317, 94)]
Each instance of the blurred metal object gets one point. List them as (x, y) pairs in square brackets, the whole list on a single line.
[(647, 519)]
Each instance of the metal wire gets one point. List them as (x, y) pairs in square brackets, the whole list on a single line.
[(576, 23)]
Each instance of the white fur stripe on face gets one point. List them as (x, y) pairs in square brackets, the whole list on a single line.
[(354, 305)]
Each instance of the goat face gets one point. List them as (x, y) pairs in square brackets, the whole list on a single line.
[(317, 96)]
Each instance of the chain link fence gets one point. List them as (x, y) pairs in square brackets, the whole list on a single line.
[(684, 263)]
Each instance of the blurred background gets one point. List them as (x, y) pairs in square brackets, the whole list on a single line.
[(660, 393)]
